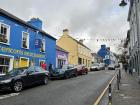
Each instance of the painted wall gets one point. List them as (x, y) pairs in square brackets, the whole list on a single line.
[(16, 30), (104, 53), (68, 44)]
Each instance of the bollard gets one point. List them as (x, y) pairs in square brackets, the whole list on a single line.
[(110, 95), (118, 82), (119, 73)]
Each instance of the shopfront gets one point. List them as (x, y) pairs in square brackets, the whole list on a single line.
[(61, 57)]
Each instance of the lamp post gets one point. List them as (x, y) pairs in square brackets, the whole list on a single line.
[(124, 3)]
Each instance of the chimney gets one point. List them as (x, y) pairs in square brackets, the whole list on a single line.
[(65, 32), (81, 41), (108, 48), (36, 22)]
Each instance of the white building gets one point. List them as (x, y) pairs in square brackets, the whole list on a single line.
[(134, 22)]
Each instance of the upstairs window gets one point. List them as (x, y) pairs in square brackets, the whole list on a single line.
[(43, 45), (4, 33), (25, 40)]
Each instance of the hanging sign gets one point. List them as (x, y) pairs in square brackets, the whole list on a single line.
[(38, 43)]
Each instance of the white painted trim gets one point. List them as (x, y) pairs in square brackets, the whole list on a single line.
[(28, 40), (8, 33), (24, 58), (11, 60)]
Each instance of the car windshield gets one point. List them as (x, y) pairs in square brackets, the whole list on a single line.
[(65, 67), (15, 72), (95, 64)]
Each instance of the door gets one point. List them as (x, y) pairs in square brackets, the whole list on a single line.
[(39, 75), (29, 78)]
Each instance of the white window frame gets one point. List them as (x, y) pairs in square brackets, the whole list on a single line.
[(44, 45), (24, 58), (8, 33), (23, 32), (11, 61)]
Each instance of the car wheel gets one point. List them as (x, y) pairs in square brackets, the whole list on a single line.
[(18, 86), (45, 81)]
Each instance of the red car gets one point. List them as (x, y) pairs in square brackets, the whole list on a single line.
[(81, 69)]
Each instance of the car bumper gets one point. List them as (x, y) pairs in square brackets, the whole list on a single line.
[(94, 69), (5, 86), (56, 76), (111, 68)]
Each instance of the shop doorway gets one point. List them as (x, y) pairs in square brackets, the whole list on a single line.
[(6, 63)]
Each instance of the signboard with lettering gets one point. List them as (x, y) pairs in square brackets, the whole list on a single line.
[(21, 52)]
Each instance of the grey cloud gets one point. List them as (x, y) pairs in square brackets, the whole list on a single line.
[(92, 18)]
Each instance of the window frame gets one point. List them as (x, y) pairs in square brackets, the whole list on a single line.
[(44, 46), (8, 33), (23, 32)]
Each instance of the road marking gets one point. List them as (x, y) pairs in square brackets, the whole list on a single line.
[(104, 91), (8, 95)]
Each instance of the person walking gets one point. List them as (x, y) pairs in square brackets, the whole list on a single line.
[(44, 66), (126, 67)]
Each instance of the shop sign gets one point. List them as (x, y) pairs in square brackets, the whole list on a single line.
[(62, 56), (38, 43), (20, 52)]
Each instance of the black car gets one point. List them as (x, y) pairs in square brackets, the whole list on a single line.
[(66, 71), (18, 78)]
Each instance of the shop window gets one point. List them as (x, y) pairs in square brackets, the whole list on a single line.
[(43, 46), (4, 64), (25, 40), (24, 62), (4, 33)]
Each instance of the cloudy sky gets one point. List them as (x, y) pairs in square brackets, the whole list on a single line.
[(92, 20)]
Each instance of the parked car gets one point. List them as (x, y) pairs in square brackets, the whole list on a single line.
[(111, 67), (19, 78), (102, 66), (94, 67), (81, 69), (66, 71), (117, 65)]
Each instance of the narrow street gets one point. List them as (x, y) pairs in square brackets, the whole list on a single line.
[(82, 90)]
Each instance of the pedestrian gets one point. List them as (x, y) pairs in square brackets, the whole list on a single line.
[(44, 65), (126, 67), (50, 67), (130, 71)]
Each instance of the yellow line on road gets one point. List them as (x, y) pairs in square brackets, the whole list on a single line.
[(102, 94)]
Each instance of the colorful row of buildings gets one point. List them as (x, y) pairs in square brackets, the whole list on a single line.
[(25, 43)]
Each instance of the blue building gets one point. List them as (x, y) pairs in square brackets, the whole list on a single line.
[(105, 54), (24, 43)]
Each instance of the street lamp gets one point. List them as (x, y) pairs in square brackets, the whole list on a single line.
[(123, 3)]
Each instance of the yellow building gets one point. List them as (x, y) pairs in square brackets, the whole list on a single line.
[(78, 52)]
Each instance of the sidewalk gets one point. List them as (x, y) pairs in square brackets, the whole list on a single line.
[(129, 93)]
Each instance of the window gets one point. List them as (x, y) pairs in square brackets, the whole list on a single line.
[(4, 33), (25, 40), (43, 46), (38, 69), (24, 62)]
